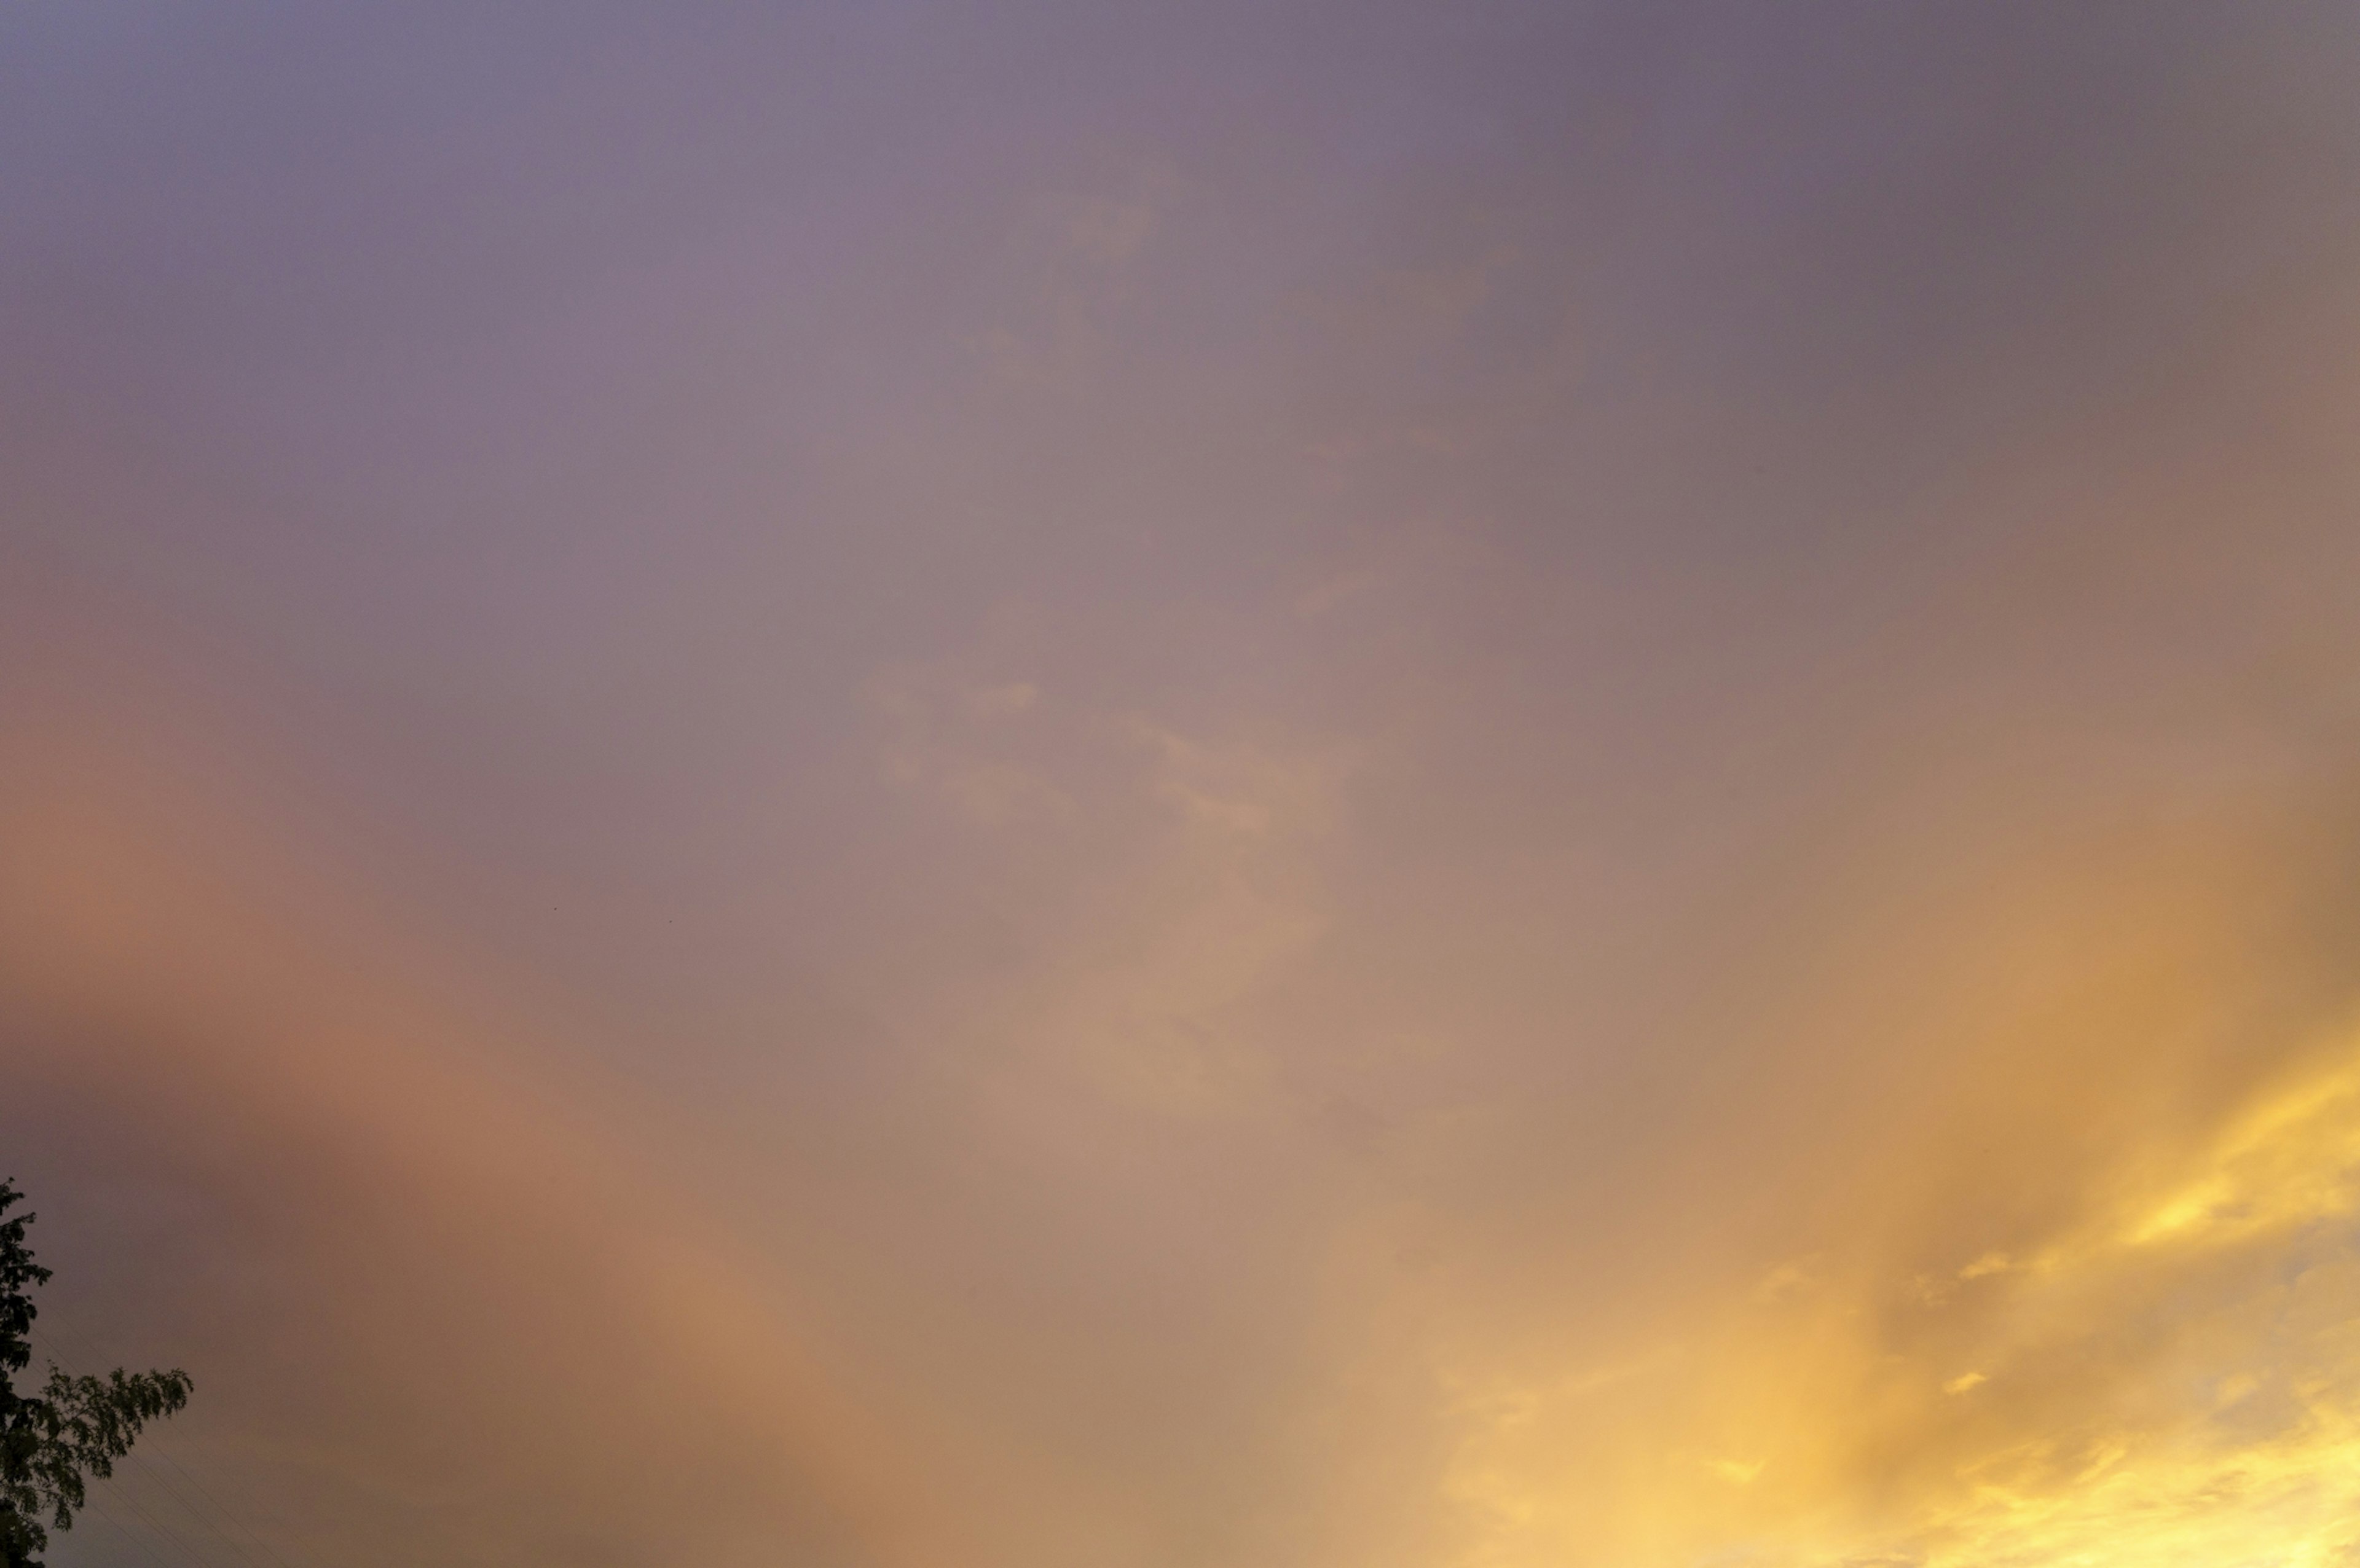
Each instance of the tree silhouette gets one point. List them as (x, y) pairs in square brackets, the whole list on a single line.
[(71, 1427)]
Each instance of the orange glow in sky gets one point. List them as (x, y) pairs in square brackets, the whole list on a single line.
[(1238, 786)]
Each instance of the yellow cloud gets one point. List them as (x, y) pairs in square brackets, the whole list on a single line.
[(2170, 1379)]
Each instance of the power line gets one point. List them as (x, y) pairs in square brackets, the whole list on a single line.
[(123, 1495), (139, 1463), (240, 1525), (138, 1459), (162, 1453), (165, 1442), (162, 1441), (117, 1525), (191, 1553)]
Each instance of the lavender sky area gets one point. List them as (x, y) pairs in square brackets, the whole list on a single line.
[(1217, 785)]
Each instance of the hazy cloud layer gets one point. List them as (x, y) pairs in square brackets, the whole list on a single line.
[(1419, 786)]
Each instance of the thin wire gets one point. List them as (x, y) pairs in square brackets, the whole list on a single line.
[(164, 1441), (163, 1453), (92, 1504), (167, 1442), (191, 1553), (91, 1509), (165, 1457), (139, 1466), (123, 1495)]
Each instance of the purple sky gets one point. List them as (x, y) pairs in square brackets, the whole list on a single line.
[(1477, 786)]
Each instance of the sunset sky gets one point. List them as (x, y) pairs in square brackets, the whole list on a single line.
[(1507, 784)]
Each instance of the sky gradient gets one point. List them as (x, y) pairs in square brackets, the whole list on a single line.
[(1219, 785)]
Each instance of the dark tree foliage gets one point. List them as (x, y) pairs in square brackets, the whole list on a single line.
[(71, 1427)]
